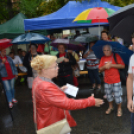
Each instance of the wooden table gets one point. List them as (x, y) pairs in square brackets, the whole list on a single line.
[(83, 72), (21, 73)]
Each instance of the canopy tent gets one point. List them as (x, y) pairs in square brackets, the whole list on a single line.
[(15, 27), (63, 18)]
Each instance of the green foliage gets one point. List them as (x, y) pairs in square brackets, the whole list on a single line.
[(120, 3), (35, 8), (5, 10), (53, 5), (30, 7)]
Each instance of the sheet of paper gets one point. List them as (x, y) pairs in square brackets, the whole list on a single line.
[(59, 60), (71, 90)]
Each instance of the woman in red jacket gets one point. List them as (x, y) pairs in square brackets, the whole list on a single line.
[(51, 100)]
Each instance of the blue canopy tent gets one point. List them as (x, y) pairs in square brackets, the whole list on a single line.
[(63, 18)]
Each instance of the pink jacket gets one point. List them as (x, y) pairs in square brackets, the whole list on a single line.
[(51, 103)]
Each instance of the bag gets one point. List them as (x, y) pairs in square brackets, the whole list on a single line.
[(60, 127), (76, 72), (122, 72)]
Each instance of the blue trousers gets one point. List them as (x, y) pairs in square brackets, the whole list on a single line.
[(94, 76), (132, 123), (9, 89)]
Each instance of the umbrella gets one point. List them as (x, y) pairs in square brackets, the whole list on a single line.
[(70, 44), (86, 38), (121, 23), (94, 15), (28, 38), (117, 48), (5, 43)]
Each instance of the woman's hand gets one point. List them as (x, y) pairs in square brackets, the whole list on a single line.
[(3, 61), (66, 60), (63, 88), (98, 102)]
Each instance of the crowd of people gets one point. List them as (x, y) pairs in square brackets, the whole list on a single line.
[(50, 101)]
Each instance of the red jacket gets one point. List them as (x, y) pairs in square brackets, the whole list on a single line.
[(50, 102)]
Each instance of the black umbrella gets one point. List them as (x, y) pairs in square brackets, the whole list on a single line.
[(121, 23)]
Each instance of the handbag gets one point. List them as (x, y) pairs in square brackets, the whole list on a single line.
[(76, 72), (60, 127)]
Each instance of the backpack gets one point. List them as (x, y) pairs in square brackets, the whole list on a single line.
[(123, 72)]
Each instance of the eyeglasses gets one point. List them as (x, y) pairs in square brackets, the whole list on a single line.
[(55, 67), (106, 50)]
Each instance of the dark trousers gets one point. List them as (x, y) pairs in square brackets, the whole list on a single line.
[(132, 123), (94, 76), (64, 80)]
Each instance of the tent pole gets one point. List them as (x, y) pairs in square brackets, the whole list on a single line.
[(99, 30)]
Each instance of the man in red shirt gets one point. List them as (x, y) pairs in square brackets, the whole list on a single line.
[(112, 78)]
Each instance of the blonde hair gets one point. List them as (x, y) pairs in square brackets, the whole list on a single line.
[(42, 62)]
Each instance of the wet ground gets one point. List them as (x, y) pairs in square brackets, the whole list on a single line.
[(89, 121)]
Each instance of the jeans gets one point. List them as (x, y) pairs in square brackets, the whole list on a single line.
[(132, 123), (94, 75), (9, 89)]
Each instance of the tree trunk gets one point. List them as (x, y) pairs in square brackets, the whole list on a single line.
[(10, 9)]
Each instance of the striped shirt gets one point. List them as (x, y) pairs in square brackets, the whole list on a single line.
[(92, 61)]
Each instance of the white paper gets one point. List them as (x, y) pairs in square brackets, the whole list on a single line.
[(71, 90), (61, 59)]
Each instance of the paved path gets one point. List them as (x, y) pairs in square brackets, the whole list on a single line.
[(90, 120)]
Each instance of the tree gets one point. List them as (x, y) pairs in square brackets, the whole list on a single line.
[(120, 3), (51, 6), (30, 7), (7, 10), (35, 8)]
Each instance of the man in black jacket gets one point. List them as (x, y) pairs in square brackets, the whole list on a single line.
[(31, 74)]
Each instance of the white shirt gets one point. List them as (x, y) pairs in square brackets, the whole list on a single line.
[(131, 68), (121, 41), (17, 60)]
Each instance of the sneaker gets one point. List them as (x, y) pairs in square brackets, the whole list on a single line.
[(14, 101), (10, 105)]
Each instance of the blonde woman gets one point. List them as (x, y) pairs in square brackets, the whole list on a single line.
[(50, 99)]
